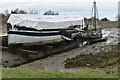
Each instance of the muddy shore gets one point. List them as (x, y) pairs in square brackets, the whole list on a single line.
[(56, 62)]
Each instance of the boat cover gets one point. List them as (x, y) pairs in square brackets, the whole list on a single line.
[(39, 22)]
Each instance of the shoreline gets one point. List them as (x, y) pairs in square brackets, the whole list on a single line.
[(55, 62)]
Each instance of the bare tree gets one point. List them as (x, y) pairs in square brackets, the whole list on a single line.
[(17, 11), (6, 12), (105, 19), (49, 12), (32, 11)]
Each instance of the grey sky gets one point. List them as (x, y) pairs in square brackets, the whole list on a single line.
[(107, 8)]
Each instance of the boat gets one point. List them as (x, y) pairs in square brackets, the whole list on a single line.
[(93, 31), (42, 29)]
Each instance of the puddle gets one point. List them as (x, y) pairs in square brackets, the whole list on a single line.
[(105, 33)]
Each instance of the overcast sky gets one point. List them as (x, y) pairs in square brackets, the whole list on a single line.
[(106, 8)]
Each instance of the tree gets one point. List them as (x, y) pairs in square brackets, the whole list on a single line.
[(6, 12), (32, 11), (105, 19), (49, 12), (17, 11), (56, 13), (22, 12)]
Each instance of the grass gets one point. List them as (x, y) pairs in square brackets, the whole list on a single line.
[(109, 24), (26, 73), (107, 62)]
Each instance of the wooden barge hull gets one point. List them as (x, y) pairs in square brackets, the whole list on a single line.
[(18, 37)]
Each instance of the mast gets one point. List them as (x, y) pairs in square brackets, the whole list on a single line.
[(94, 15), (82, 23)]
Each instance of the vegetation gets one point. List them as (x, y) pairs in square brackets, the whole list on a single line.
[(107, 62), (103, 65), (26, 73), (109, 24), (17, 11), (32, 11), (105, 19), (51, 13)]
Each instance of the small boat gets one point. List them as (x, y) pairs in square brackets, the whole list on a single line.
[(94, 33), (35, 28)]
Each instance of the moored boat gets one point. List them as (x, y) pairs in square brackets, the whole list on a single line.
[(94, 31), (26, 28)]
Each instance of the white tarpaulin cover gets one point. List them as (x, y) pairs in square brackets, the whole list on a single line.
[(44, 21)]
